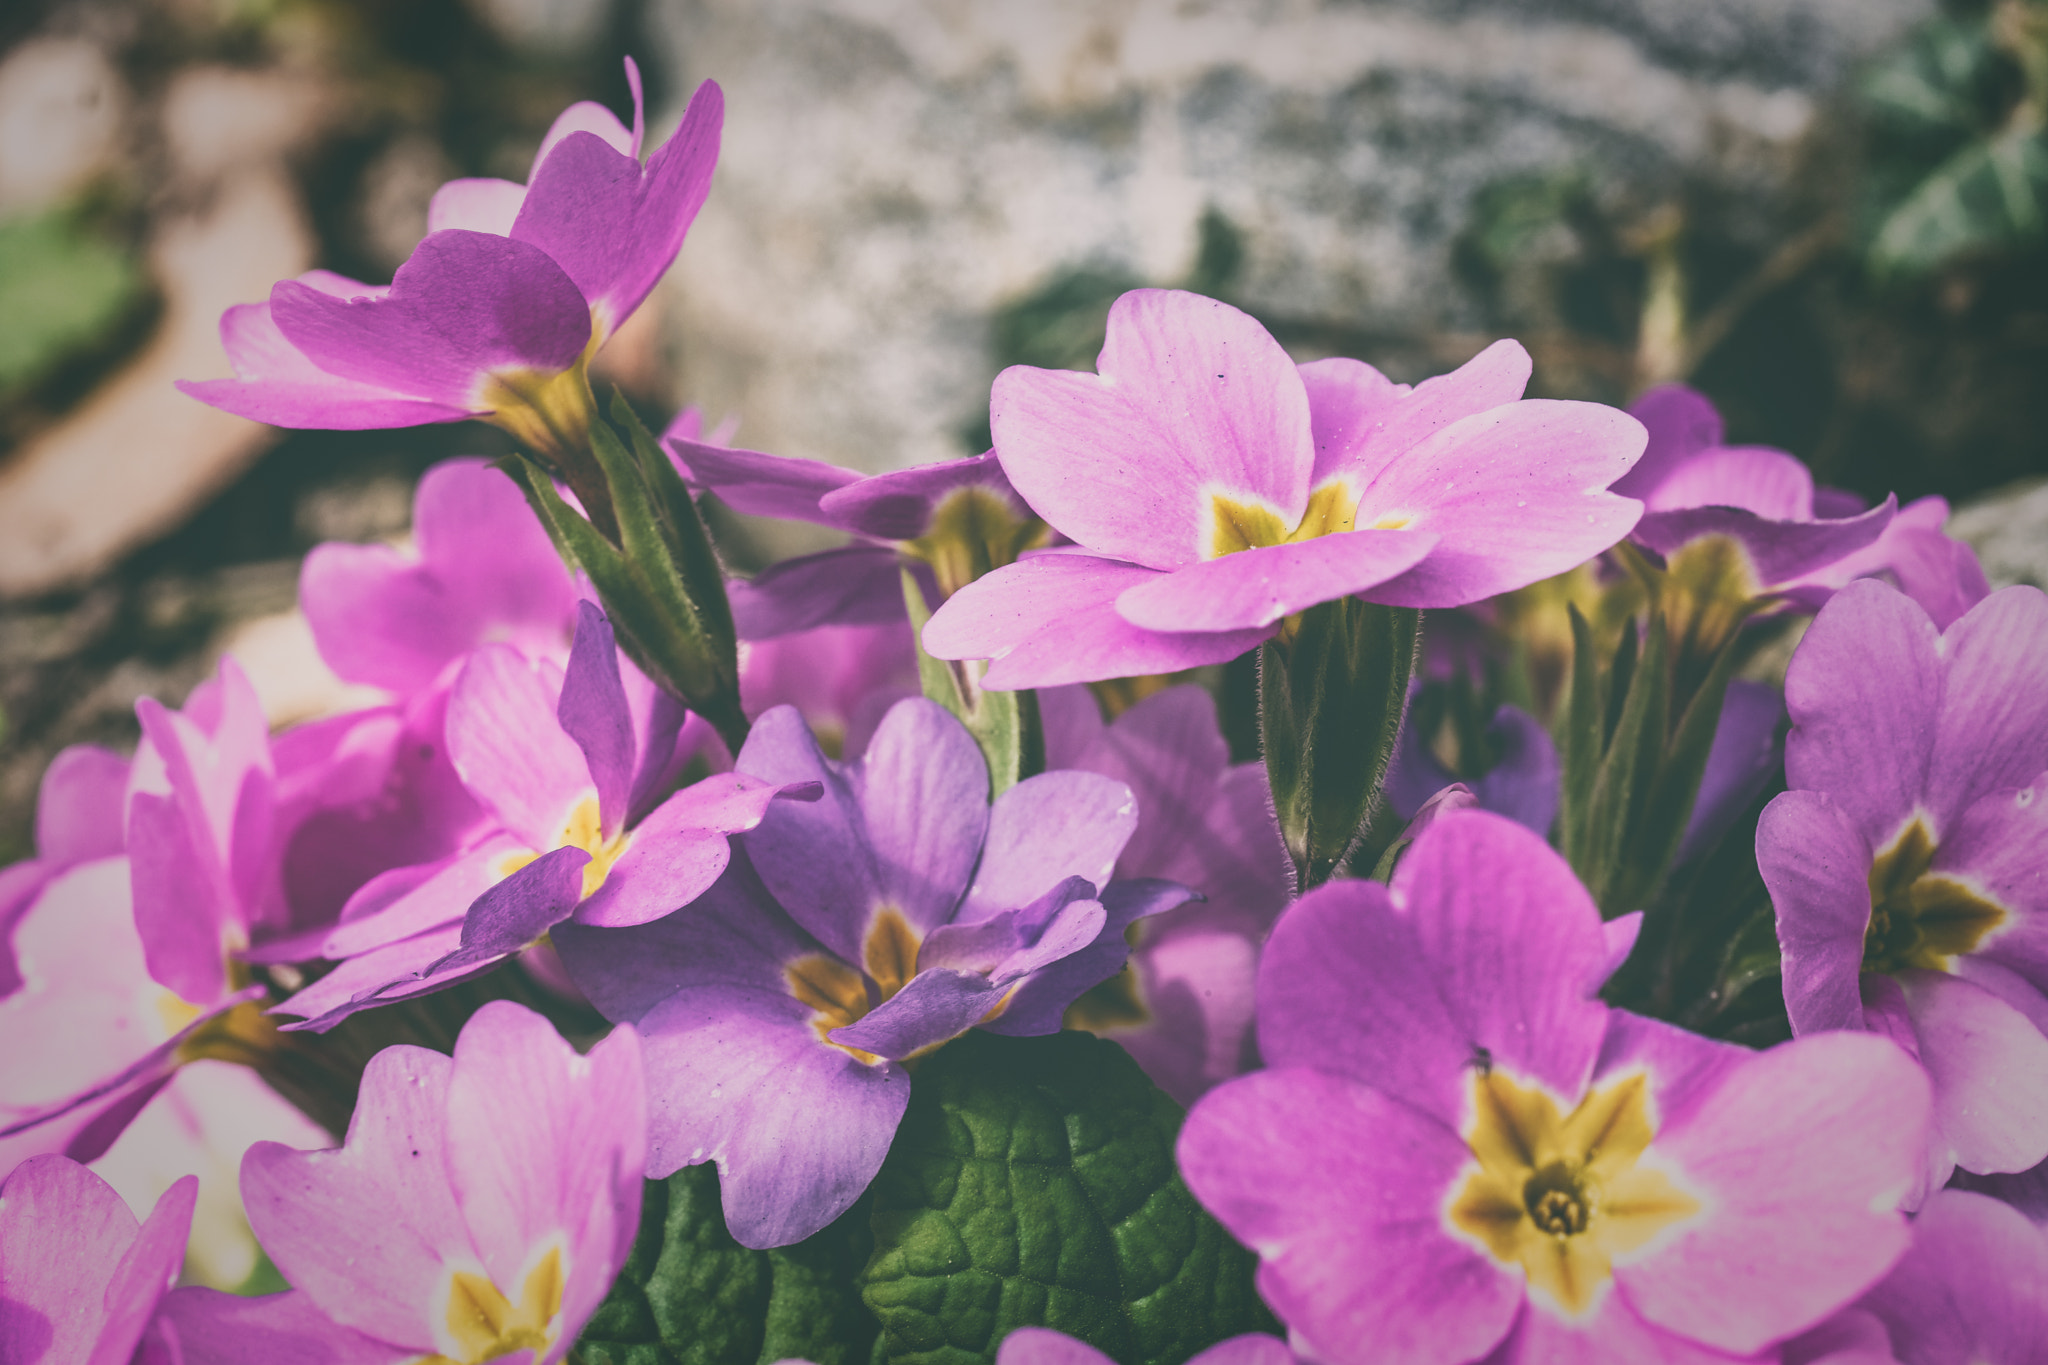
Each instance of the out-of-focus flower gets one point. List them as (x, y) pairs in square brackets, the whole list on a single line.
[(199, 1125), (1520, 782), (79, 1277), (896, 913), (842, 678), (1459, 1152), (1183, 1006), (500, 307), (1212, 488), (584, 825), (108, 1033), (1973, 1288), (79, 818), (481, 1206), (1909, 859)]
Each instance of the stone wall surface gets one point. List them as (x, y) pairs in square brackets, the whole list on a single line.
[(894, 170)]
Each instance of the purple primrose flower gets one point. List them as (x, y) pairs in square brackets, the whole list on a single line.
[(577, 779), (1183, 1006), (1043, 1346), (898, 912), (79, 818), (481, 1206), (502, 303), (1909, 861), (1212, 488), (79, 1278), (1460, 1153), (1752, 516)]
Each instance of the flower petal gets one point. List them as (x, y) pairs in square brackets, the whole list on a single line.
[(1255, 588), (1044, 829), (1354, 1254), (1191, 398), (1363, 423), (1992, 733), (1989, 1067), (593, 712), (1514, 494), (1817, 869), (509, 748), (466, 305)]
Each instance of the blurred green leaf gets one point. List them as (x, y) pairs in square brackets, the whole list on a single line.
[(1937, 82), (62, 289), (1991, 193)]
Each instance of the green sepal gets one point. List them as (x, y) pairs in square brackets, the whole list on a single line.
[(1331, 699), (1032, 1183), (660, 583), (1004, 724), (1631, 775), (690, 1295)]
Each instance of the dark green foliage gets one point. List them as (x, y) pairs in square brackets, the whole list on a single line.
[(1635, 747), (1330, 704), (660, 582), (691, 1295), (1033, 1183)]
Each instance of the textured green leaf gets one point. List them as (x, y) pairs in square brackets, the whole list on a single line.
[(61, 290), (1992, 193), (1330, 705), (1004, 724), (690, 1295), (1032, 1183)]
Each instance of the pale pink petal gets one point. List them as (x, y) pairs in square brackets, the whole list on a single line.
[(1253, 589)]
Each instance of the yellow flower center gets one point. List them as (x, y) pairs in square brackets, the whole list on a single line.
[(1238, 525), (483, 1324), (549, 413), (1564, 1195), (975, 531), (839, 995), (1920, 918), (583, 829)]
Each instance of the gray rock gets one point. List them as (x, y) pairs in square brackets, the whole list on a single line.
[(895, 171), (2009, 531)]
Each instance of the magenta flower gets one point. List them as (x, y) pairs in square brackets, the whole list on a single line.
[(1908, 862), (842, 678), (1043, 1346), (1521, 784), (898, 912), (1183, 1007), (499, 307), (78, 819), (578, 781), (481, 570), (1973, 1290), (1212, 488), (1459, 1152), (1704, 498), (481, 1206), (79, 1278), (109, 1035)]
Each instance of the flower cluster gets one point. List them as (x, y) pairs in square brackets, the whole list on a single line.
[(673, 966)]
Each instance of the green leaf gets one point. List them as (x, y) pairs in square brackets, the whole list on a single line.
[(690, 1295), (1004, 724), (61, 290), (1992, 193), (1934, 83), (1032, 1183), (1330, 705)]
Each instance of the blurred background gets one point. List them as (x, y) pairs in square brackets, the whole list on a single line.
[(1830, 215)]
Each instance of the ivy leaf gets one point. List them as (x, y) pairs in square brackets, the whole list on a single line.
[(690, 1295), (1032, 1183)]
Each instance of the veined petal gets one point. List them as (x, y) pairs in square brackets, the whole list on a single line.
[(1514, 494), (231, 1329), (1817, 868), (509, 748), (593, 712), (1681, 423), (466, 304), (1253, 589), (762, 485), (1047, 828), (1973, 1287), (1354, 1253), (935, 1006), (1052, 619), (1989, 1067), (1191, 398), (923, 791), (679, 850), (275, 383), (1864, 690), (1992, 731), (1757, 479), (853, 585), (1363, 423), (1779, 552)]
